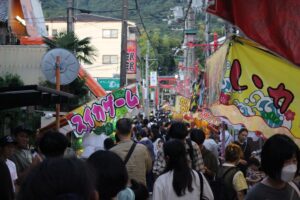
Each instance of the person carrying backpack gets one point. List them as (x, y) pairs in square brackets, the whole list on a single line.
[(178, 130), (230, 182), (180, 181)]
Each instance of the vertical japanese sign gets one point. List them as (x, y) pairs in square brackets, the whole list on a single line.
[(182, 104), (260, 91), (102, 113), (131, 57), (153, 78)]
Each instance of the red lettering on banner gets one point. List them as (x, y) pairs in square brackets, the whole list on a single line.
[(235, 74), (257, 81), (281, 93)]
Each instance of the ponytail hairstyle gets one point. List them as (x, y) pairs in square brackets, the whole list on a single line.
[(175, 153)]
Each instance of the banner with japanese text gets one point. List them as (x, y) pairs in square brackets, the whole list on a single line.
[(182, 104), (100, 115), (131, 57), (260, 90)]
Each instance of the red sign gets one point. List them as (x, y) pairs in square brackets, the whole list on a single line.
[(131, 57)]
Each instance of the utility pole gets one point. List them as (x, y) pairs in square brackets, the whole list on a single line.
[(207, 33), (124, 44), (147, 81), (189, 52), (70, 16)]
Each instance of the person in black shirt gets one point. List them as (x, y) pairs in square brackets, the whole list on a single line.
[(246, 145)]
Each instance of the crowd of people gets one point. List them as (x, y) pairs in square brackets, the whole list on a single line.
[(157, 160)]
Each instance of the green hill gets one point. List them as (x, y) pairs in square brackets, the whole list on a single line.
[(155, 13)]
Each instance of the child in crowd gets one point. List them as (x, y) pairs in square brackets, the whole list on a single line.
[(253, 174)]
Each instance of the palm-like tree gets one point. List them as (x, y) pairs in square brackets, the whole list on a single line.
[(84, 52), (82, 49)]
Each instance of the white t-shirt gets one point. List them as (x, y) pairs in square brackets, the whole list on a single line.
[(13, 171), (157, 145), (163, 188), (228, 138)]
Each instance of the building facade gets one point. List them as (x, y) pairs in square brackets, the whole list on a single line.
[(105, 34)]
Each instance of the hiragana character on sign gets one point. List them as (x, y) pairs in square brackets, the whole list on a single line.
[(235, 74), (257, 81), (281, 93)]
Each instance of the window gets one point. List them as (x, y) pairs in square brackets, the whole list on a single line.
[(110, 33), (54, 32), (110, 59)]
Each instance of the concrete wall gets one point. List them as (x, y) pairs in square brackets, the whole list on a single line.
[(24, 61)]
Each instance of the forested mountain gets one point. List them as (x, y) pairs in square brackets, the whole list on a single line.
[(155, 13), (152, 11)]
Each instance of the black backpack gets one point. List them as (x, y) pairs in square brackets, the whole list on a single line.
[(220, 189)]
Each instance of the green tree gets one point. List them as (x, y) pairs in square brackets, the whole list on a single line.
[(10, 80), (162, 46), (82, 49), (84, 52)]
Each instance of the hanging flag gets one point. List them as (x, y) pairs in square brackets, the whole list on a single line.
[(273, 24), (215, 72), (100, 115), (260, 90)]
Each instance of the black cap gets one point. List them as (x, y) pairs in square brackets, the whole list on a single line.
[(7, 140)]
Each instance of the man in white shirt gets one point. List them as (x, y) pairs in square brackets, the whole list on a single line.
[(7, 147), (225, 138), (211, 144)]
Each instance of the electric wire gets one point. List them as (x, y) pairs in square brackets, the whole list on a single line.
[(144, 27), (185, 18)]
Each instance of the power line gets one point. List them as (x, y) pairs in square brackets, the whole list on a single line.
[(144, 27), (185, 17), (189, 7), (98, 11)]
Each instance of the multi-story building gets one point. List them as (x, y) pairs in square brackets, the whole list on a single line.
[(105, 34)]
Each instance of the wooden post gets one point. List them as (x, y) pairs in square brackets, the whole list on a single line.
[(57, 65)]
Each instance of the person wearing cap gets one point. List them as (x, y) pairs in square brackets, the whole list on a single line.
[(7, 148), (22, 156)]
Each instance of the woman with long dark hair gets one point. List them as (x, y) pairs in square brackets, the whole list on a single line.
[(179, 181)]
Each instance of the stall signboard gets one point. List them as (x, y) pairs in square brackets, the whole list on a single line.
[(182, 104), (101, 115), (260, 90)]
